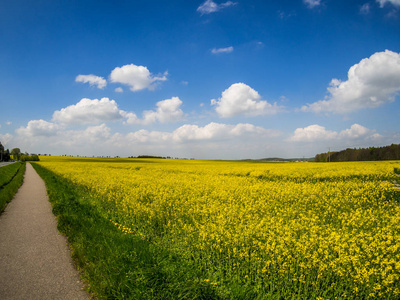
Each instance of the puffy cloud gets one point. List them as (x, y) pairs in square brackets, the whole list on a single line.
[(222, 50), (383, 2), (209, 6), (90, 136), (365, 9), (100, 82), (38, 128), (354, 132), (5, 138), (312, 3), (167, 111), (371, 83), (241, 99), (89, 111), (137, 77), (212, 132), (119, 90), (148, 137), (217, 131), (314, 133)]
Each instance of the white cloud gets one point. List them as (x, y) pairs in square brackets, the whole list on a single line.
[(209, 6), (222, 50), (372, 82), (119, 90), (5, 139), (212, 132), (365, 9), (241, 99), (315, 133), (100, 82), (312, 133), (93, 136), (218, 131), (383, 2), (214, 140), (167, 111), (312, 3), (38, 128), (89, 111), (137, 77)]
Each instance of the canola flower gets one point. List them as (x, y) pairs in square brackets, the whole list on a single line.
[(328, 229)]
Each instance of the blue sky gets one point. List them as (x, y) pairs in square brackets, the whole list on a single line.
[(202, 79)]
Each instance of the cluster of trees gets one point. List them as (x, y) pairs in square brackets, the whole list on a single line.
[(29, 157), (391, 152), (16, 154), (4, 154)]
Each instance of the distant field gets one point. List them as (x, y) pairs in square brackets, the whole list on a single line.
[(195, 229)]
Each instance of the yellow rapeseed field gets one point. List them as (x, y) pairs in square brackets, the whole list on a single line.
[(332, 228)]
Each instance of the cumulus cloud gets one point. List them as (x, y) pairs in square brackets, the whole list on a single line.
[(93, 80), (222, 50), (5, 138), (89, 111), (383, 2), (241, 99), (212, 132), (218, 131), (315, 132), (312, 3), (365, 9), (167, 111), (209, 6), (372, 82), (214, 140), (137, 77), (119, 90), (92, 136), (38, 128)]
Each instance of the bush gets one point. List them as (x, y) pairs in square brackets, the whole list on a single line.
[(32, 157), (10, 187)]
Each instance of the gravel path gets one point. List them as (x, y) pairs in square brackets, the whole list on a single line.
[(35, 261)]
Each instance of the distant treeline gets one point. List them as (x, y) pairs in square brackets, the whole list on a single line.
[(27, 157), (148, 156), (391, 152)]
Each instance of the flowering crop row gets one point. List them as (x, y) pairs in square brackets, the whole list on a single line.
[(312, 230)]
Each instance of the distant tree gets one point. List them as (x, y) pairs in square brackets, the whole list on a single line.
[(391, 152), (1, 152), (32, 157), (16, 153), (4, 154)]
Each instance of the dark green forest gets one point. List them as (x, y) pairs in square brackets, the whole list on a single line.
[(391, 152)]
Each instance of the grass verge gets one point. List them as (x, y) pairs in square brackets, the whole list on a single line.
[(114, 264), (11, 178)]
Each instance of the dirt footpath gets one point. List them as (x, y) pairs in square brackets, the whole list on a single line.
[(35, 261)]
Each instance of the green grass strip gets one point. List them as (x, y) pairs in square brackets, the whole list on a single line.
[(8, 172), (113, 264), (11, 178)]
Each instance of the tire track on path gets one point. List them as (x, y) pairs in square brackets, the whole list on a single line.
[(35, 261)]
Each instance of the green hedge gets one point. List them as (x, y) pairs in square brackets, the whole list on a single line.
[(11, 178)]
